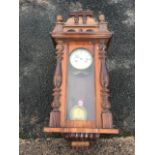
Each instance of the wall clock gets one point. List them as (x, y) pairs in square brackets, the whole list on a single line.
[(81, 106)]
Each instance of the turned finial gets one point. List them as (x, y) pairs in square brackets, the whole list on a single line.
[(59, 18), (101, 18)]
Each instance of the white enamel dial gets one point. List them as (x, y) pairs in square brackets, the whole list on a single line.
[(81, 59)]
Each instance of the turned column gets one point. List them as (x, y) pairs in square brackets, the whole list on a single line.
[(55, 113), (104, 81)]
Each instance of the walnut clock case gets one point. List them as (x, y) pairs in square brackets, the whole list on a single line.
[(81, 106)]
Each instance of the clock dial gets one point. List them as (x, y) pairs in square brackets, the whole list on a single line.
[(81, 59)]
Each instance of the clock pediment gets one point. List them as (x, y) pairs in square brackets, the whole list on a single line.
[(83, 23)]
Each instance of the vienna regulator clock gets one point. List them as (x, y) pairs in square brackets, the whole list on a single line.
[(81, 106)]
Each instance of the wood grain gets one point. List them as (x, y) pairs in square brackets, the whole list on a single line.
[(81, 130)]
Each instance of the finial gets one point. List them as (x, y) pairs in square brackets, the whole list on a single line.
[(101, 18), (59, 18)]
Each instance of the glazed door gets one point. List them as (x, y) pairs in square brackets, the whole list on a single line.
[(80, 106)]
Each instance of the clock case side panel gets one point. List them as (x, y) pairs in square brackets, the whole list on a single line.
[(64, 86), (71, 45), (98, 87)]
